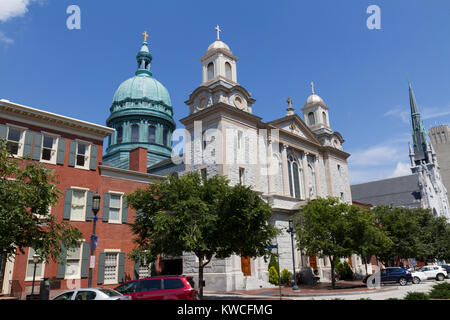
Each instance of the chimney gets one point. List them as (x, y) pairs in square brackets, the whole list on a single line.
[(138, 160)]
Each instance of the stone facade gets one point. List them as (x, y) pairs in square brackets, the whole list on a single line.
[(287, 161)]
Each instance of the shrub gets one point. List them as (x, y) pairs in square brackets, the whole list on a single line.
[(344, 270), (416, 296), (440, 291), (285, 277), (273, 262), (273, 276)]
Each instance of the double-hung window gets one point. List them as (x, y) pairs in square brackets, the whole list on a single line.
[(82, 155), (111, 267), (115, 208), (73, 263), (78, 206), (15, 141), (49, 148), (30, 267)]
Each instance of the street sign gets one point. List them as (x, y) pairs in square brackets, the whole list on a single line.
[(271, 247), (92, 262)]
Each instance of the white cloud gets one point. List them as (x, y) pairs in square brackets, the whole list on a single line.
[(400, 112), (5, 39), (402, 169), (13, 8), (404, 113), (375, 156)]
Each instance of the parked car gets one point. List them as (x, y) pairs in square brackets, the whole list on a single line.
[(160, 288), (447, 268), (418, 276), (91, 294), (433, 272), (394, 275)]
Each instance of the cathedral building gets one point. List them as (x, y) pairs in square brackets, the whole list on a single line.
[(440, 140), (423, 188), (288, 161)]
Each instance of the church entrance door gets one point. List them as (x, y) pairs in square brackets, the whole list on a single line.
[(245, 266)]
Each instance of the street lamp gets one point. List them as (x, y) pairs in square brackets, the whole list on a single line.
[(95, 208), (291, 230), (36, 260)]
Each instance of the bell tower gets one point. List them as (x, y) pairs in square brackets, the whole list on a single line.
[(315, 113)]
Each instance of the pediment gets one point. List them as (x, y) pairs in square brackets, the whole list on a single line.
[(295, 125)]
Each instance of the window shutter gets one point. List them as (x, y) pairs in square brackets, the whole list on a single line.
[(121, 270), (101, 268), (85, 260), (137, 265), (89, 200), (67, 204), (106, 200), (61, 151), (3, 131), (28, 144), (62, 264), (93, 158), (37, 147), (124, 209), (72, 150)]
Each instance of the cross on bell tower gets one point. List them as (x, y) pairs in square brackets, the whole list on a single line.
[(218, 32)]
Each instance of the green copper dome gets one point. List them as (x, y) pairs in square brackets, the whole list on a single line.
[(142, 87), (142, 115)]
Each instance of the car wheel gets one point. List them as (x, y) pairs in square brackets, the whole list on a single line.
[(403, 282), (416, 280), (440, 277)]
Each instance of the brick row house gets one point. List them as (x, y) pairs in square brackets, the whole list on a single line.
[(74, 150)]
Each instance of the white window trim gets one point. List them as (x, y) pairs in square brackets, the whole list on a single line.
[(87, 156), (21, 141), (121, 194), (38, 277), (78, 275), (116, 280), (85, 190), (56, 138)]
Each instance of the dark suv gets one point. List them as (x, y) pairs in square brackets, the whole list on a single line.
[(160, 288), (394, 275), (447, 268)]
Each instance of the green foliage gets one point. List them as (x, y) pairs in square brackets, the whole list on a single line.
[(286, 277), (273, 276), (416, 296), (204, 216), (27, 191), (440, 291), (273, 262), (344, 270)]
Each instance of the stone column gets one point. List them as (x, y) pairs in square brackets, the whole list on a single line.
[(284, 165), (306, 174), (270, 169)]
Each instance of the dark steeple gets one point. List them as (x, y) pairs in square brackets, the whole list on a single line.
[(419, 134)]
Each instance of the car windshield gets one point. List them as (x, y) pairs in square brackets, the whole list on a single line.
[(109, 292)]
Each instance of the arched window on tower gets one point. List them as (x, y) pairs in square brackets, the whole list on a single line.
[(228, 72), (119, 134), (151, 134), (311, 119), (165, 136), (210, 69), (135, 133), (324, 116), (296, 182)]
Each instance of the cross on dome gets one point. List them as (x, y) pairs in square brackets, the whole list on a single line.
[(312, 86), (218, 32), (145, 34)]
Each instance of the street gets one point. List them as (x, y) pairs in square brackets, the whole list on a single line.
[(398, 292)]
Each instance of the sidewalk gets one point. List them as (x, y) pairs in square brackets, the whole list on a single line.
[(321, 289)]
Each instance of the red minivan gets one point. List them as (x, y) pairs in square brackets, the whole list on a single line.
[(160, 288)]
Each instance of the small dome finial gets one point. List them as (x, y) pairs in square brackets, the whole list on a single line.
[(312, 87)]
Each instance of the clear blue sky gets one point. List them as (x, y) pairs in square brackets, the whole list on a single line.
[(282, 46)]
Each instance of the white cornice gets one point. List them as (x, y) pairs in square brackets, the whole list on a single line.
[(13, 111)]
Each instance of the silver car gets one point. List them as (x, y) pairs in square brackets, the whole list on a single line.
[(91, 294)]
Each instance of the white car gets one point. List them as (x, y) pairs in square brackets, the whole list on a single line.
[(429, 273), (91, 294)]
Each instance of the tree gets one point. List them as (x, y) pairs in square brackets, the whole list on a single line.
[(323, 229), (204, 216), (27, 191), (366, 236)]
